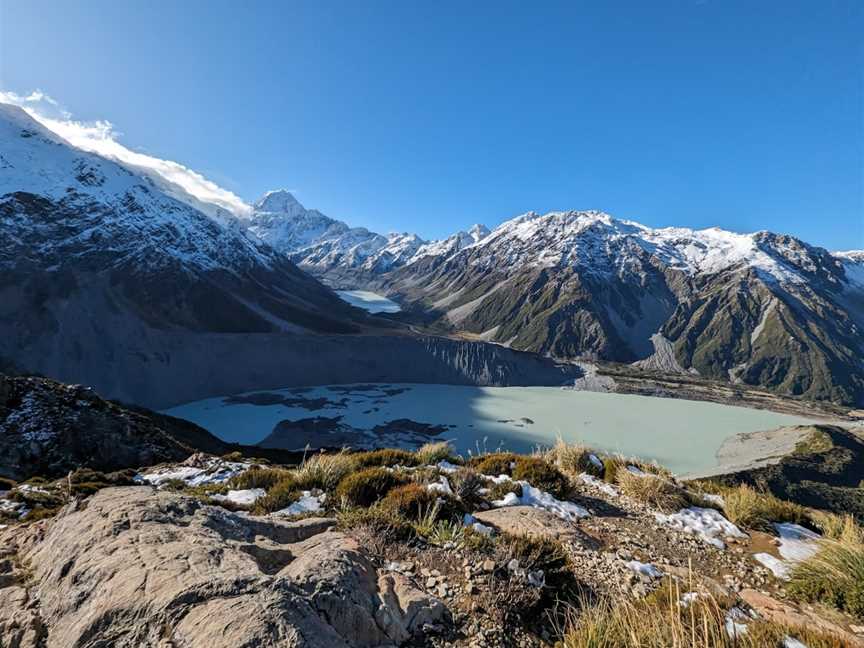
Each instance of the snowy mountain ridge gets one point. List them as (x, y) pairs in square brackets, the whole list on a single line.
[(36, 161), (593, 241), (322, 244), (598, 243)]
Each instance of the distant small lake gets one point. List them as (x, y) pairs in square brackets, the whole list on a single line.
[(369, 301), (682, 435)]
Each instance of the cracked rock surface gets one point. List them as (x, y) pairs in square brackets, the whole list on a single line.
[(133, 566)]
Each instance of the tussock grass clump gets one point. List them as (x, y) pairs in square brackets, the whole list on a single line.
[(257, 477), (466, 484), (324, 471), (433, 452), (573, 458), (410, 501), (832, 525), (660, 621), (747, 507), (281, 495), (385, 457), (652, 490), (367, 486), (494, 464), (543, 475), (414, 501), (835, 575)]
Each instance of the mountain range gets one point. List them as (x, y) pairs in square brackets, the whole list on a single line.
[(114, 276), (759, 309)]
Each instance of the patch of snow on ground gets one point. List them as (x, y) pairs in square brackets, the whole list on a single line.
[(778, 567), (441, 486), (27, 488), (541, 499), (791, 642), (599, 484), (796, 544), (687, 598), (734, 622), (308, 503), (446, 466), (714, 499), (707, 523), (242, 497), (215, 471), (646, 569), (470, 521)]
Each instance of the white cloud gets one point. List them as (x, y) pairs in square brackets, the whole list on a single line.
[(101, 138)]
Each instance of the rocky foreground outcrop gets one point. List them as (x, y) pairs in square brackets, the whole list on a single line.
[(139, 567)]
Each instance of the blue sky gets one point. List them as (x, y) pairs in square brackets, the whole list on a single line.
[(427, 117)]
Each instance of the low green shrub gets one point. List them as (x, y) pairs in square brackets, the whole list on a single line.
[(543, 475), (494, 464), (543, 553), (410, 501), (381, 523), (414, 501), (367, 486)]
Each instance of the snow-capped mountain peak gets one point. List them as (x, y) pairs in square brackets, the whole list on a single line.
[(280, 201)]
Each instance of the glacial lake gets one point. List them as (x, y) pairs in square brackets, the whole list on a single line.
[(682, 435), (369, 301)]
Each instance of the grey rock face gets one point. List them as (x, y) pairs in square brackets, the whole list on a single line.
[(146, 568)]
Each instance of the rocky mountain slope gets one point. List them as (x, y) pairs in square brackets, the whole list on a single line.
[(754, 309)]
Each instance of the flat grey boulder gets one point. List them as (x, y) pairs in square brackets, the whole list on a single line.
[(133, 566)]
